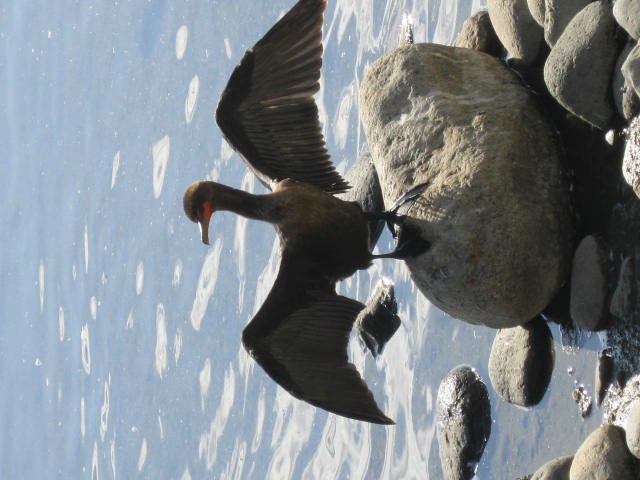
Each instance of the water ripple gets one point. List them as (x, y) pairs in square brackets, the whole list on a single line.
[(142, 458), (139, 278), (104, 410), (41, 273), (182, 37), (161, 340), (86, 248), (114, 168), (95, 474), (86, 349), (177, 345), (206, 284), (93, 307), (61, 324), (192, 99), (160, 153), (208, 446), (177, 273), (205, 382), (83, 418)]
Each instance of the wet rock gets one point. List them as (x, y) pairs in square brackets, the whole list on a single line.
[(478, 34), (496, 206), (537, 9), (631, 69), (631, 159), (556, 469), (578, 69), (379, 320), (603, 455), (558, 14), (521, 362), (584, 401), (625, 96), (623, 298), (627, 13), (365, 190), (604, 374), (620, 401), (633, 430), (588, 301), (464, 422), (516, 28)]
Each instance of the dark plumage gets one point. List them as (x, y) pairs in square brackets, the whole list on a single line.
[(268, 114)]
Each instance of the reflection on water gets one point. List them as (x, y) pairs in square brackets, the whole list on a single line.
[(105, 280)]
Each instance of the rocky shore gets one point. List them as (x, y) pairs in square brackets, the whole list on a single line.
[(527, 134)]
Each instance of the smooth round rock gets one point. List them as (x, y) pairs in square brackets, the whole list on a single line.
[(627, 13), (588, 285), (478, 34), (578, 69), (516, 28), (521, 362), (631, 158), (558, 14), (603, 455), (463, 413), (556, 469), (633, 430), (496, 208)]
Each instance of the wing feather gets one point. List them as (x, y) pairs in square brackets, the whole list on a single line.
[(267, 111), (300, 337)]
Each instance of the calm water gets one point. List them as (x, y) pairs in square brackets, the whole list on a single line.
[(120, 351)]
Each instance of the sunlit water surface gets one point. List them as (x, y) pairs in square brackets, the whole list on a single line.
[(120, 351)]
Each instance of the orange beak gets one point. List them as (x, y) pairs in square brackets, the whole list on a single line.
[(204, 223)]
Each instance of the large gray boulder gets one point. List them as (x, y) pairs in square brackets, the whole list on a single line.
[(579, 67), (516, 28), (496, 207)]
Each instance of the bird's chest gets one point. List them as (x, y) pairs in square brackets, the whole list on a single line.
[(325, 229)]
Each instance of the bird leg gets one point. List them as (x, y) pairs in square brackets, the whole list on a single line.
[(390, 217), (409, 243)]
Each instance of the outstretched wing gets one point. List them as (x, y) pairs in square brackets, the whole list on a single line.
[(299, 337), (267, 111)]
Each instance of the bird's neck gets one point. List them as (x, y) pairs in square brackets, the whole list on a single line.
[(249, 205)]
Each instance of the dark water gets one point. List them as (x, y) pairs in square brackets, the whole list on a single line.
[(119, 331)]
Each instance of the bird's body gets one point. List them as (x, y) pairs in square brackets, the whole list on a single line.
[(268, 114)]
